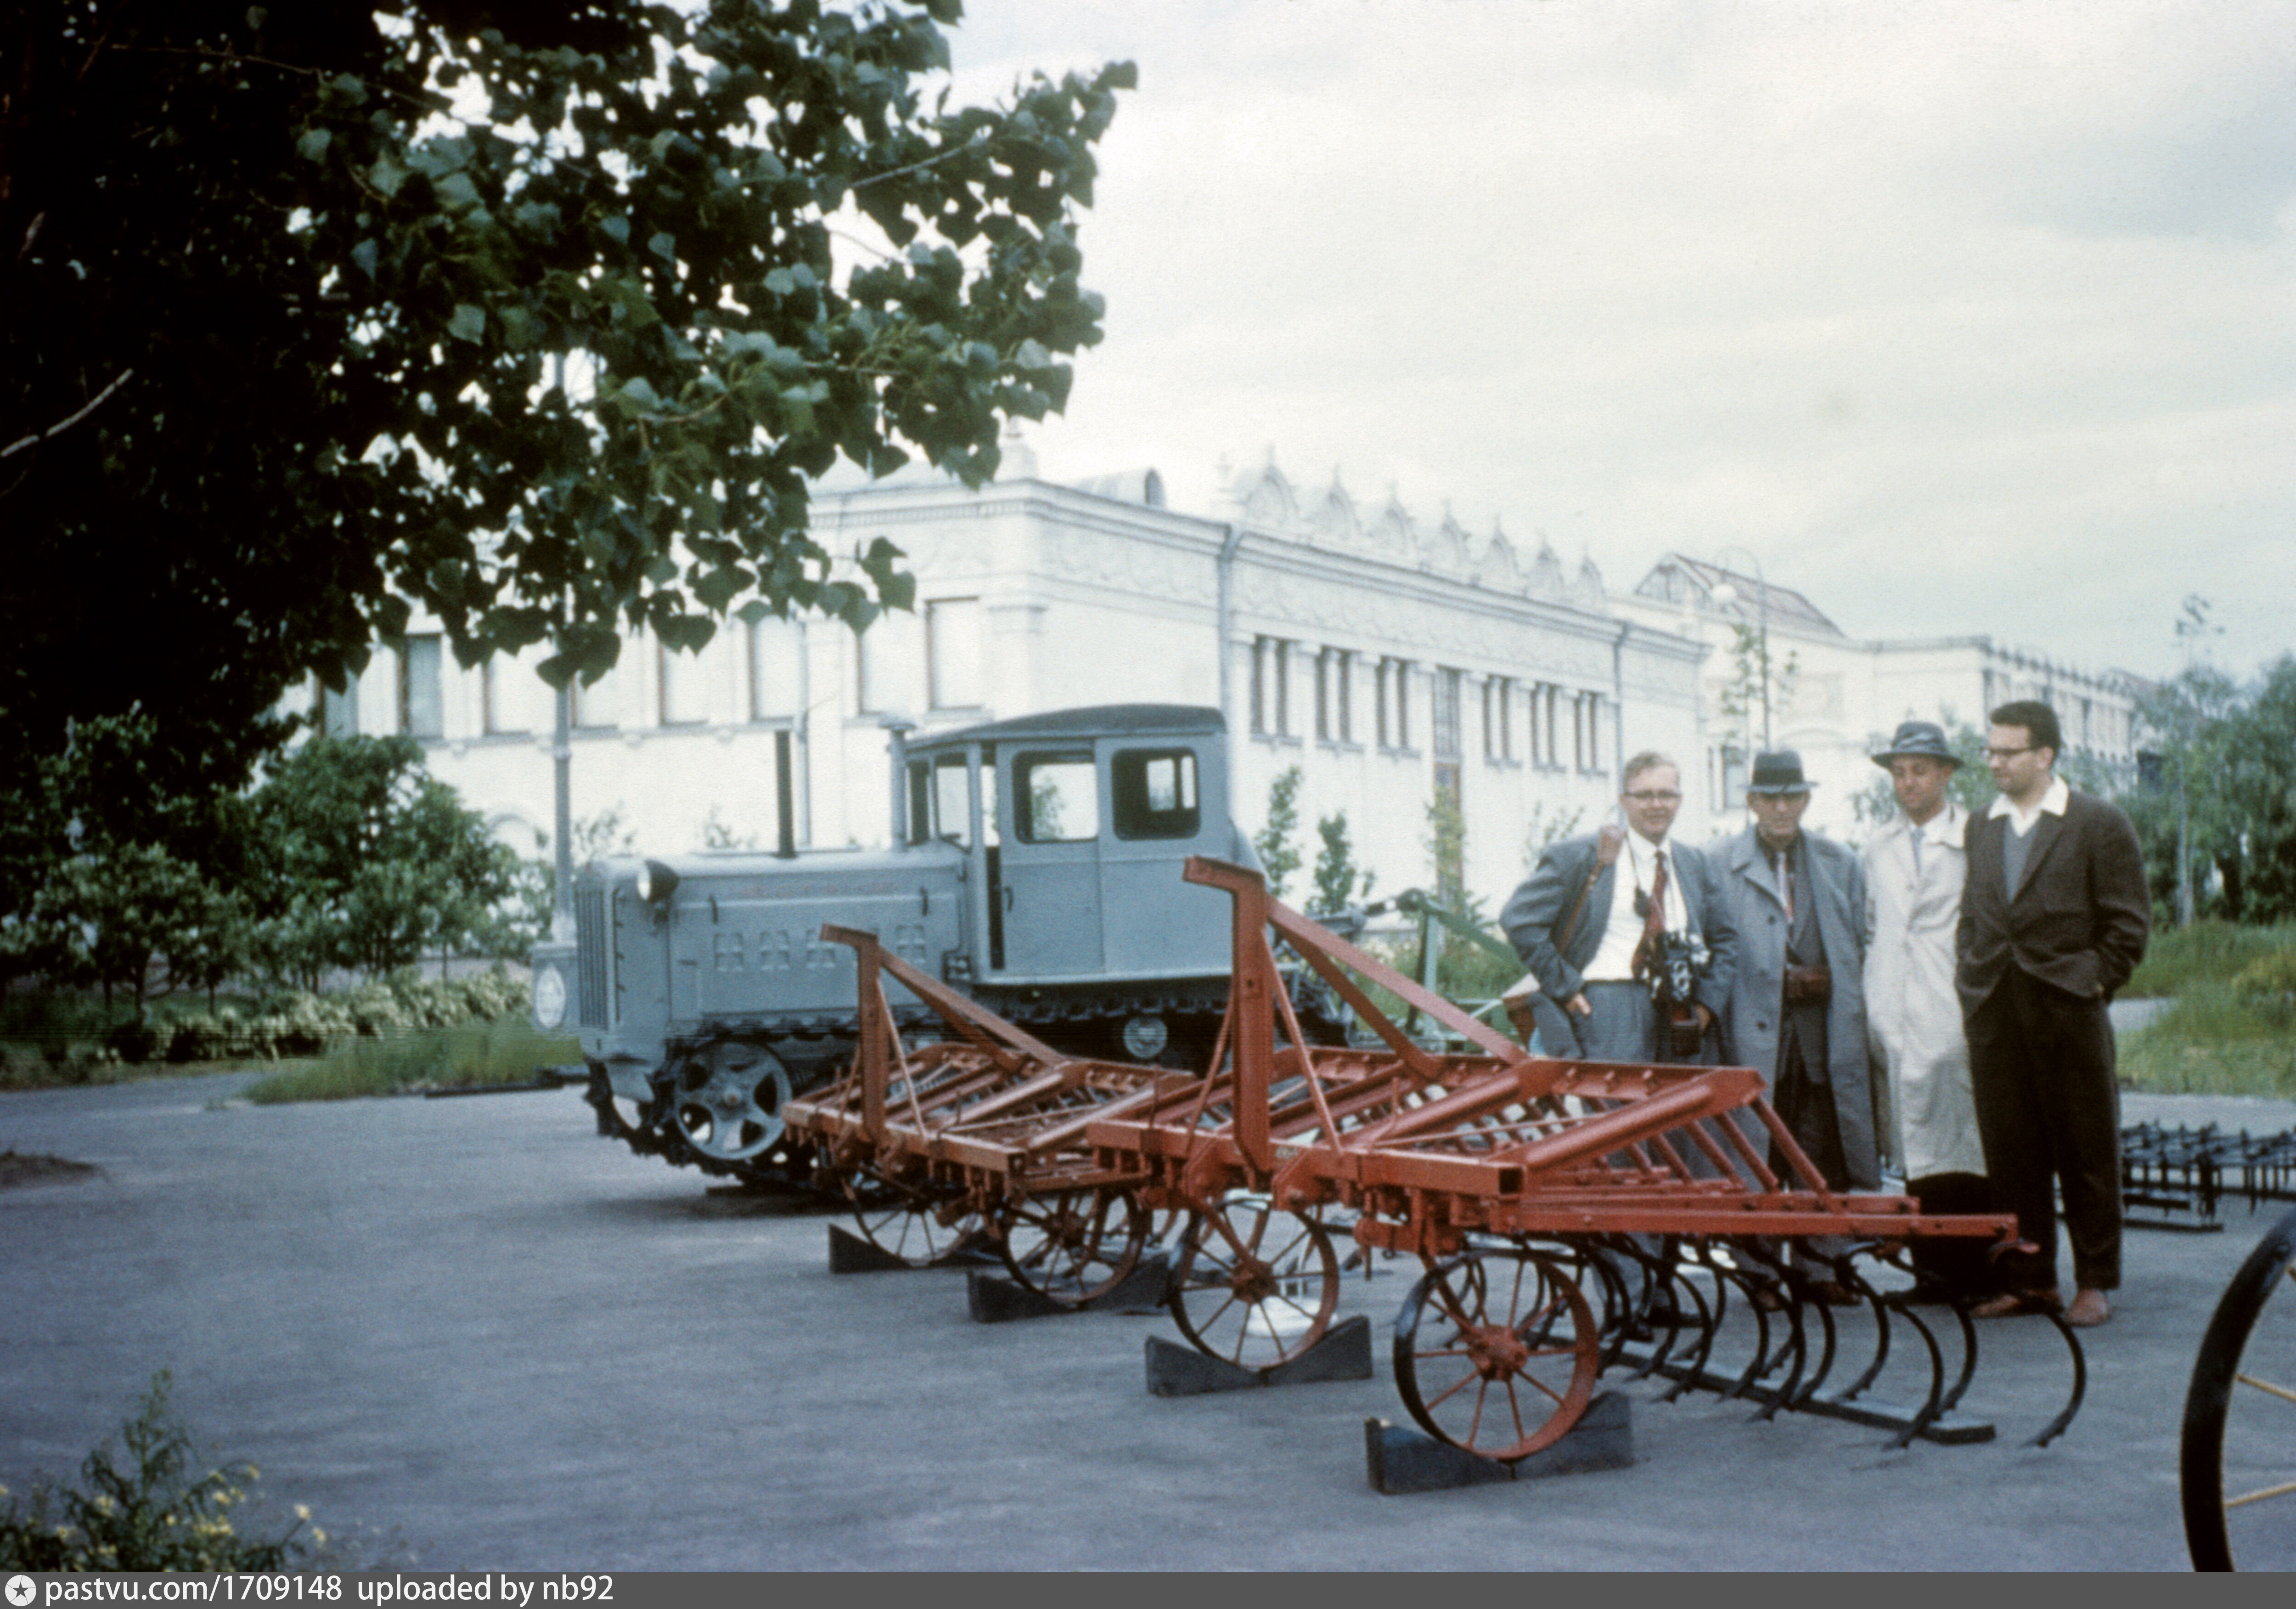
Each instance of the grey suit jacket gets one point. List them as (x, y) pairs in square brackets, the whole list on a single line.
[(2080, 916), (1754, 1018), (1539, 905)]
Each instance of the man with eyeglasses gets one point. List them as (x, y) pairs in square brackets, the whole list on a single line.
[(2054, 916), (1796, 1012), (1602, 915)]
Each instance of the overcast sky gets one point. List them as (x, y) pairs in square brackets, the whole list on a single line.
[(1961, 317)]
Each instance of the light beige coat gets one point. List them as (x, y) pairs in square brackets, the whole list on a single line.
[(1912, 1017)]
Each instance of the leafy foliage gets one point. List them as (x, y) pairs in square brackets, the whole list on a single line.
[(529, 316), (1760, 684), (1446, 845), (373, 863), (1544, 828), (1279, 854), (1340, 882), (146, 1511), (2235, 748)]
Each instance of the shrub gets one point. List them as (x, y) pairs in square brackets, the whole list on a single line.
[(146, 1513), (136, 1041), (2267, 986)]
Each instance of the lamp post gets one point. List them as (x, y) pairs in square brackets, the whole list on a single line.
[(1727, 592), (561, 758)]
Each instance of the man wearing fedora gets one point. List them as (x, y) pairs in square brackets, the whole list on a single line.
[(1914, 869), (1796, 1011), (2054, 918)]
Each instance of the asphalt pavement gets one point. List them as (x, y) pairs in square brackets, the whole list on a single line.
[(469, 1334)]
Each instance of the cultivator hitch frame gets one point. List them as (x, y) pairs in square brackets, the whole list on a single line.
[(978, 1134), (1571, 1216)]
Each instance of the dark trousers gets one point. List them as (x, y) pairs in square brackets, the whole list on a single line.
[(1804, 1103), (1959, 1265), (2041, 1067)]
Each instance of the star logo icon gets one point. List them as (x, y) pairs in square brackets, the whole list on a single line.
[(21, 1590)]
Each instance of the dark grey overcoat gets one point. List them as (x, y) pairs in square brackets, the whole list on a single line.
[(1751, 1015)]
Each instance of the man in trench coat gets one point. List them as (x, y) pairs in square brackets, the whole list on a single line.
[(1914, 868), (1796, 1012)]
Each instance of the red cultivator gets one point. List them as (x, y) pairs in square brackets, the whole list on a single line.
[(978, 1134), (1572, 1216)]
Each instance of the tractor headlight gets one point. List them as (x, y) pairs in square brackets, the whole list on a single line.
[(656, 883), (549, 997)]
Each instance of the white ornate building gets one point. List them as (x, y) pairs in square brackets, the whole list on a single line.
[(1386, 656), (1836, 699)]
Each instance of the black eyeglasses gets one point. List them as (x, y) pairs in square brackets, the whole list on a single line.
[(1649, 796)]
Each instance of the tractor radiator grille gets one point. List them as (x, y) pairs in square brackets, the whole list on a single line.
[(594, 940)]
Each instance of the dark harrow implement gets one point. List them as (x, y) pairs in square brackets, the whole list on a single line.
[(2176, 1178), (1571, 1218)]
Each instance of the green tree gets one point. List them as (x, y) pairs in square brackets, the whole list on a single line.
[(527, 315), (1759, 683), (373, 862), (1340, 882), (1544, 828), (1279, 855), (100, 861), (113, 912), (1446, 845)]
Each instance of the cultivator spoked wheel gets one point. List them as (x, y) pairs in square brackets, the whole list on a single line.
[(2238, 1457), (1254, 1285), (916, 1227), (1496, 1352), (725, 1102), (1073, 1245)]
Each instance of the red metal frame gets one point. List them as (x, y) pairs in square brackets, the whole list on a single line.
[(1430, 1148), (990, 1113)]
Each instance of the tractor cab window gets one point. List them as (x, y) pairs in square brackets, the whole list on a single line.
[(1056, 797), (1156, 793), (936, 802)]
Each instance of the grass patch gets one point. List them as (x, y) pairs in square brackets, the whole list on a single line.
[(502, 1052), (2218, 1038), (2178, 958), (25, 1067)]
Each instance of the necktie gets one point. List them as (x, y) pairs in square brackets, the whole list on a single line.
[(1784, 865), (1917, 851), (1653, 920)]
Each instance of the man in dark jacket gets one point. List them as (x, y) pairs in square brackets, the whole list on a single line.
[(2054, 916), (1597, 912)]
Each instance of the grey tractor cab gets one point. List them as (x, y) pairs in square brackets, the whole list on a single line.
[(1036, 865)]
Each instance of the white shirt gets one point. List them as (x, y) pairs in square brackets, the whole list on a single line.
[(2020, 822), (1613, 961)]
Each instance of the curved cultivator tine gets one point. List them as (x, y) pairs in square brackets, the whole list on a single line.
[(2056, 1426)]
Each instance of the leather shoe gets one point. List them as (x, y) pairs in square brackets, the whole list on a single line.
[(1835, 1295), (2009, 1304), (2089, 1310)]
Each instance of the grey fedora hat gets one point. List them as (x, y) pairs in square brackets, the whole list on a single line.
[(1778, 771), (1918, 740)]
